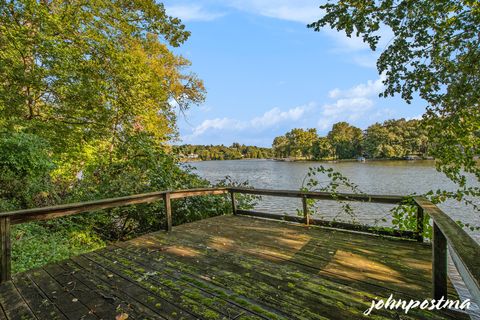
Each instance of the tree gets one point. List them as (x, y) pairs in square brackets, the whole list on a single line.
[(376, 136), (89, 92), (434, 52), (281, 147), (235, 151), (301, 141), (395, 139), (91, 75), (322, 149), (346, 140), (86, 101)]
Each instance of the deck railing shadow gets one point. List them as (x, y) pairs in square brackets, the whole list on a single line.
[(464, 250)]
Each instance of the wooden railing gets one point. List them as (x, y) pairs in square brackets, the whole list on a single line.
[(465, 251), (305, 195), (46, 213)]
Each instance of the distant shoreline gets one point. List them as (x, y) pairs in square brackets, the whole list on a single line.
[(310, 160)]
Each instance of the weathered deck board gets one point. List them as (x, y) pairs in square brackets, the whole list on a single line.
[(229, 267), (13, 304)]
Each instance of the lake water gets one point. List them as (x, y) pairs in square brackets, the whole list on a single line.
[(372, 177)]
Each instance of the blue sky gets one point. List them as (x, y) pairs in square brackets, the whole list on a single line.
[(266, 73)]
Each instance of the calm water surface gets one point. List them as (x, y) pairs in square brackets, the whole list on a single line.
[(375, 177)]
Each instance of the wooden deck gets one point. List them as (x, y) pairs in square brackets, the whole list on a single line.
[(229, 267)]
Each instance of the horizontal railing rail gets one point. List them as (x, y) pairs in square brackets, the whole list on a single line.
[(464, 250), (388, 199), (51, 212), (305, 195)]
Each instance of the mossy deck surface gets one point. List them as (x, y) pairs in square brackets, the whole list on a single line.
[(229, 267)]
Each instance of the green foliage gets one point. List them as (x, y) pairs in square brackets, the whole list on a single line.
[(321, 148), (346, 140), (35, 244), (281, 147), (396, 139), (24, 171), (88, 103), (85, 76), (433, 52), (403, 216), (195, 208), (139, 166), (244, 201), (391, 139), (322, 179), (301, 143), (235, 151)]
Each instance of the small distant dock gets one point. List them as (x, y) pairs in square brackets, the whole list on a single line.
[(245, 265)]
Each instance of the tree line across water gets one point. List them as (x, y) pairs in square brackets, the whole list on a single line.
[(220, 152), (391, 139)]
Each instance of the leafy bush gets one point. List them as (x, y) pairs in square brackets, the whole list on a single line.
[(138, 165), (25, 168), (36, 244)]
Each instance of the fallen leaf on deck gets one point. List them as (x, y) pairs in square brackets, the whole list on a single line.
[(122, 316)]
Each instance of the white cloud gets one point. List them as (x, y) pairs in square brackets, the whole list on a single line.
[(367, 89), (275, 116), (365, 60), (205, 108), (351, 104), (269, 119), (417, 117), (303, 11), (308, 11), (192, 12), (217, 123), (349, 109)]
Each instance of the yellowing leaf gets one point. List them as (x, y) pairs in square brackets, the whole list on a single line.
[(122, 316)]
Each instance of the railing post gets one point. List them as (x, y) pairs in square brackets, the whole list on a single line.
[(420, 218), (5, 249), (168, 211), (305, 210), (439, 264), (234, 204)]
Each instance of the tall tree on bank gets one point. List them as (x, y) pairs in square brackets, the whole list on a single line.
[(87, 76), (301, 141), (395, 139), (434, 52), (346, 140)]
